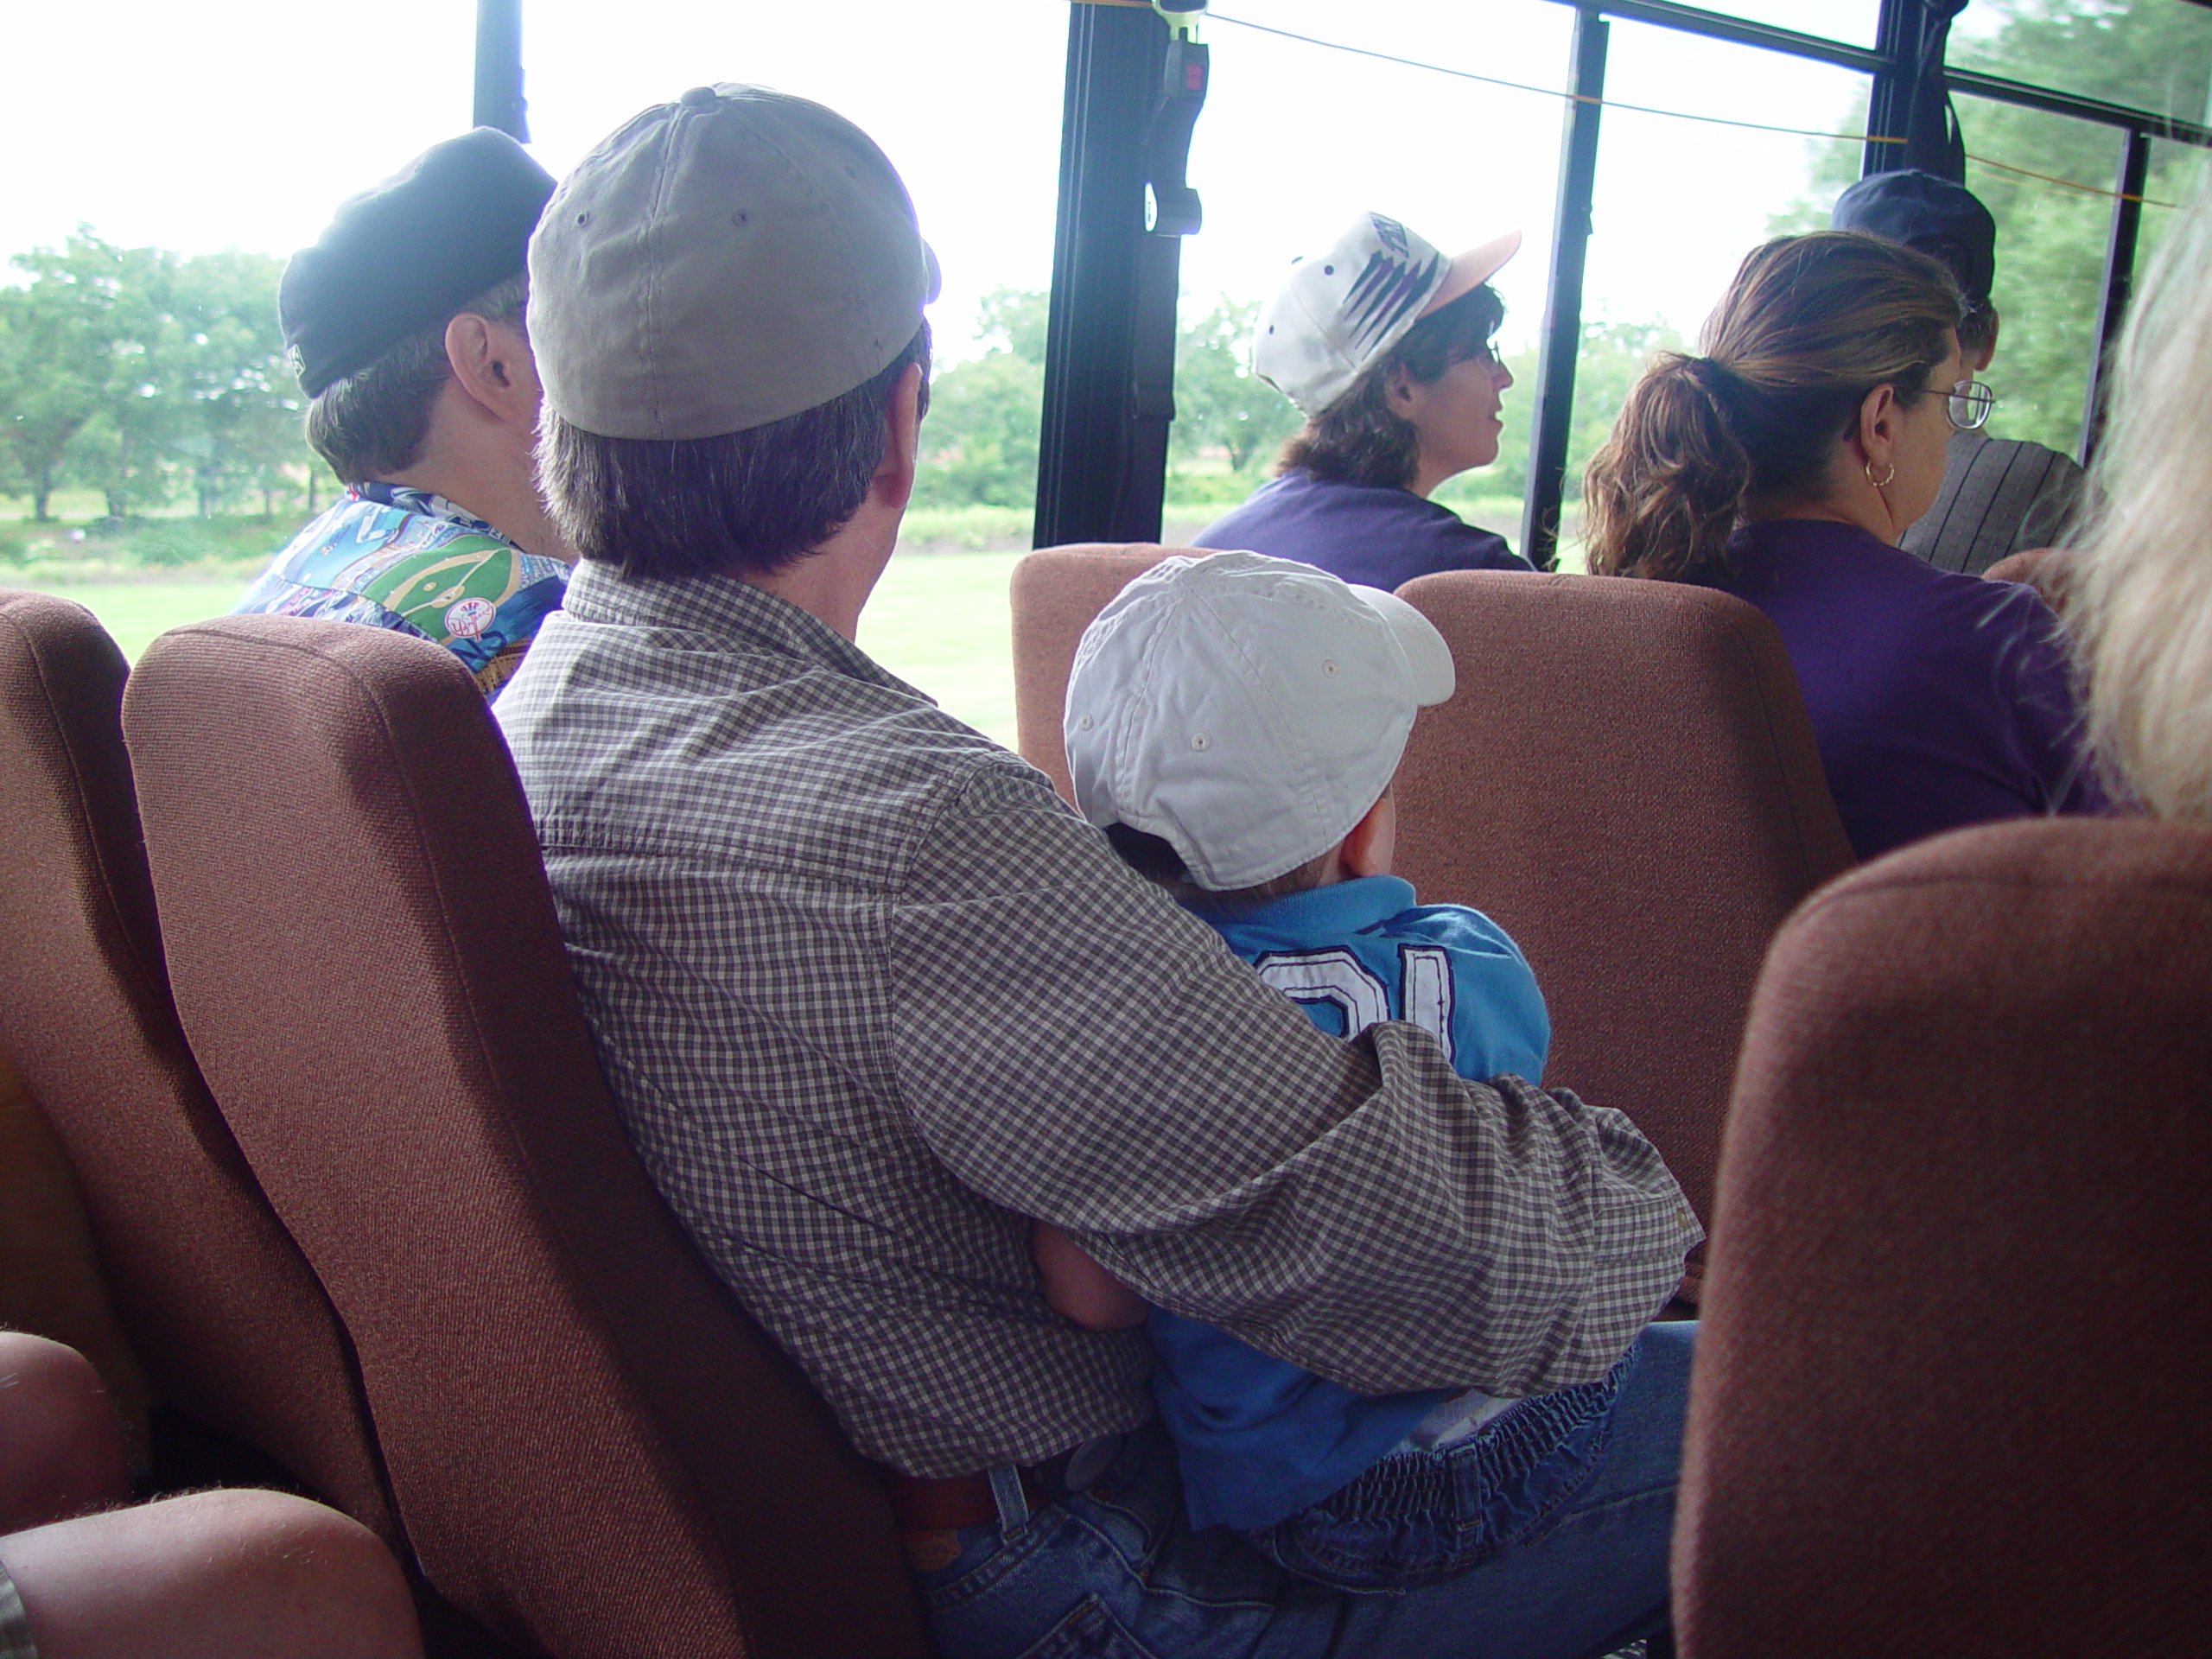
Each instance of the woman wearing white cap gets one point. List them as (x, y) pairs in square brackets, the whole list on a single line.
[(1385, 345)]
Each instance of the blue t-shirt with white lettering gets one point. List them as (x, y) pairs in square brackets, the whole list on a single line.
[(1258, 1438)]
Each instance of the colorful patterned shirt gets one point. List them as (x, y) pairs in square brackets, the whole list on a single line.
[(413, 562)]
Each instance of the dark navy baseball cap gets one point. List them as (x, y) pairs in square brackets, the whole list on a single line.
[(1943, 221), (408, 253)]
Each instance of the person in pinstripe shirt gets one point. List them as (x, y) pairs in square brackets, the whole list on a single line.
[(2000, 495), (870, 998)]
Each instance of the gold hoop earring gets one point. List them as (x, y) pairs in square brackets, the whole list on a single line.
[(1883, 482)]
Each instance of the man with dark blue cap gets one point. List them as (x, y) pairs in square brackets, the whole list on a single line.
[(404, 324), (2000, 495)]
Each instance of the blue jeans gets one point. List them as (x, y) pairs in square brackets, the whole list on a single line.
[(1116, 1572), (1417, 1517)]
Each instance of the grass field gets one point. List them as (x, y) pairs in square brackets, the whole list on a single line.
[(938, 620), (135, 612)]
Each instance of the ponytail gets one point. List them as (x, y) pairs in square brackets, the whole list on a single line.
[(1810, 326), (1661, 497)]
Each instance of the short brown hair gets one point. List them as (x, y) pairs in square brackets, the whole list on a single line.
[(1154, 858), (1357, 439), (373, 422), (744, 503), (1810, 326), (1978, 326)]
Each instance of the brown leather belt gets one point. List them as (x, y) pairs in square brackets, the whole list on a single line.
[(924, 1505), (948, 1505)]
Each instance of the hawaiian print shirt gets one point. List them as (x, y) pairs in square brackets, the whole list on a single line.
[(408, 560)]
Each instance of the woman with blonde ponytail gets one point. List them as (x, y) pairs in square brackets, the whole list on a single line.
[(1783, 466)]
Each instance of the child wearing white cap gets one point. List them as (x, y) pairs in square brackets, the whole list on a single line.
[(1233, 723)]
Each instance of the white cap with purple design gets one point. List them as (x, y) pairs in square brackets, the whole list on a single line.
[(1339, 313)]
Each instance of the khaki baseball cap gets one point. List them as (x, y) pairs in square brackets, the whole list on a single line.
[(721, 261)]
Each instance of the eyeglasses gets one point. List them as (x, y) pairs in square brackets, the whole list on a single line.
[(1969, 404)]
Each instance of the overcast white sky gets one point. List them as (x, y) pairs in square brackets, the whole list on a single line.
[(242, 122)]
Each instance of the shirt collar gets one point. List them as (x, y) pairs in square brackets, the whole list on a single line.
[(1339, 907), (732, 612), (430, 504)]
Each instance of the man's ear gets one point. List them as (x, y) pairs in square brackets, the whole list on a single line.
[(894, 483), (492, 367), (1989, 351)]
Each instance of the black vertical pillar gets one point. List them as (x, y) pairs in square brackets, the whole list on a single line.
[(499, 68), (1562, 341), (1109, 345), (2119, 279), (1889, 101)]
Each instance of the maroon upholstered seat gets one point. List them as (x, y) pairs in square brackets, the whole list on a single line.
[(592, 1449), (230, 1321), (1626, 780), (1056, 593), (1951, 1383)]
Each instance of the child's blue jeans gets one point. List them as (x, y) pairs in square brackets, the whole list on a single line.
[(1420, 1516), (1117, 1573)]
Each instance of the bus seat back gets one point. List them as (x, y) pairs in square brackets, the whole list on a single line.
[(225, 1313), (1950, 1386), (593, 1449), (1625, 779), (1056, 592)]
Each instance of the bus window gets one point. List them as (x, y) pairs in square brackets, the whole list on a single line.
[(2175, 173), (2148, 54), (1297, 139), (942, 93), (1679, 202), (1854, 21), (235, 126), (2051, 260)]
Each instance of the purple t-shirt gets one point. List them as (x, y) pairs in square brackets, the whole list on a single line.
[(1938, 700), (1374, 535)]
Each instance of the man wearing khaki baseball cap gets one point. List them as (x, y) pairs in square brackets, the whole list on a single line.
[(870, 998)]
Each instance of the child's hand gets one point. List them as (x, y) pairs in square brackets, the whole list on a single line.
[(1077, 1287)]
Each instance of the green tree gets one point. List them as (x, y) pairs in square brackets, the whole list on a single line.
[(979, 444), (1220, 404), (54, 361), (2051, 239), (127, 450), (1013, 320), (139, 372), (1612, 359), (239, 422)]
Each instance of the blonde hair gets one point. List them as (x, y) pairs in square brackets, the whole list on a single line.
[(1810, 324), (2141, 602)]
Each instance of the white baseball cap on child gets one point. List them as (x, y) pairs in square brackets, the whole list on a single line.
[(1249, 710), (1339, 313)]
